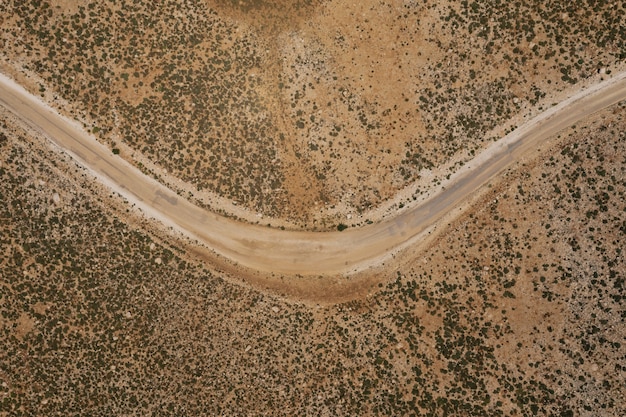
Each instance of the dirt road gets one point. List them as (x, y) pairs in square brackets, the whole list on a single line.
[(306, 253)]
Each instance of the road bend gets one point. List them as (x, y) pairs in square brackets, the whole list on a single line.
[(299, 252)]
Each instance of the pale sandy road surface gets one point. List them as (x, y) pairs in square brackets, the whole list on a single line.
[(295, 252)]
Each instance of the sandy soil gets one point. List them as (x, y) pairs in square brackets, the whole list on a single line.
[(512, 306)]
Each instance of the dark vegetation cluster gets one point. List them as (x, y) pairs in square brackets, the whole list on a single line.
[(501, 57), (174, 82)]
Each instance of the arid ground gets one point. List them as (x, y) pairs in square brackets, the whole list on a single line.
[(324, 113)]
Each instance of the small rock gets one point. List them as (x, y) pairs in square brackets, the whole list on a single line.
[(158, 261), (56, 198), (128, 315), (248, 348), (152, 246), (349, 216), (275, 309)]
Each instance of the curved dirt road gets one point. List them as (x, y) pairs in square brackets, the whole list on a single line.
[(305, 253)]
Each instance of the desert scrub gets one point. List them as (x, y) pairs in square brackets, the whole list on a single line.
[(182, 84), (101, 317)]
